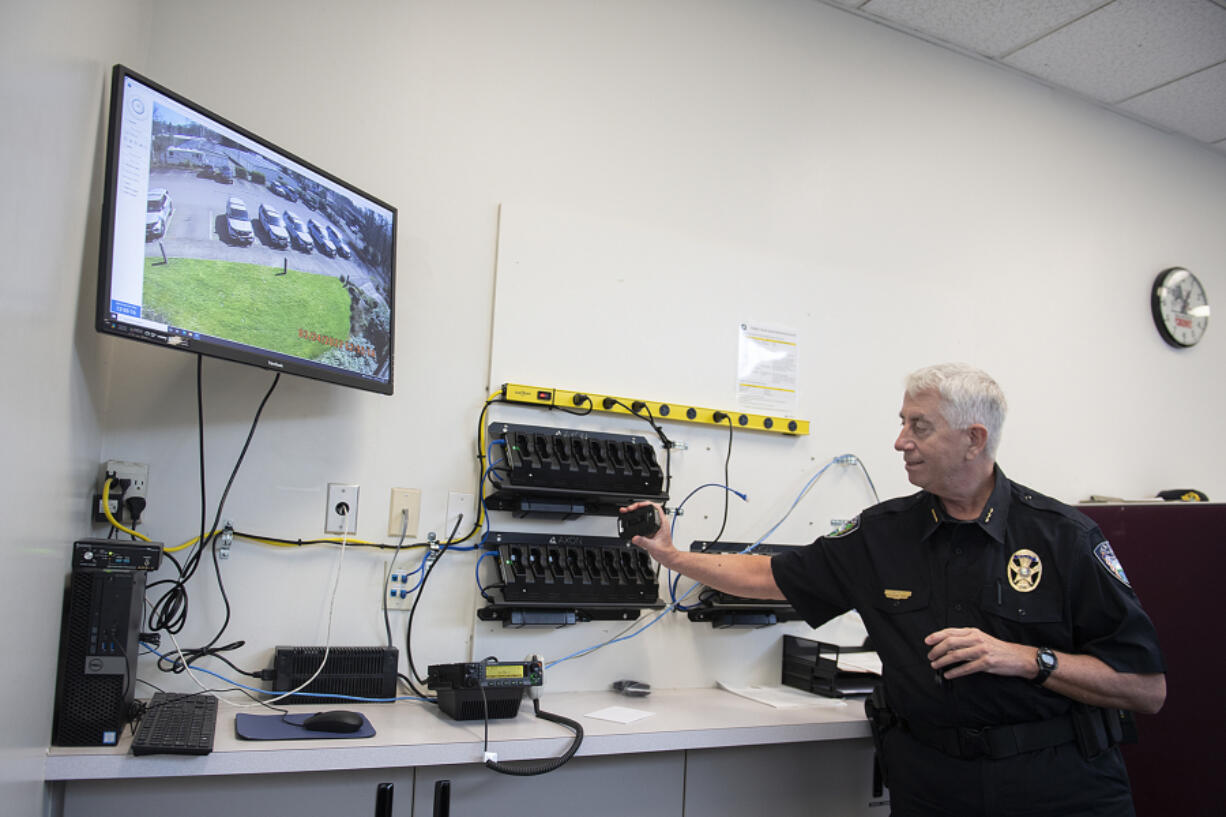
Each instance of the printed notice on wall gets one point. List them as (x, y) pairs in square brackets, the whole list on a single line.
[(767, 370)]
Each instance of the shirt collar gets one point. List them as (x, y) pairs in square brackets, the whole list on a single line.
[(992, 519)]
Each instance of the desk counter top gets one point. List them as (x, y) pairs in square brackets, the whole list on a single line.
[(418, 734)]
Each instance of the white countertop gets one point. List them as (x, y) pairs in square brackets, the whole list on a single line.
[(418, 734)]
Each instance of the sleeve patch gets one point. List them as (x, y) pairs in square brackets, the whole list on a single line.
[(847, 528), (1107, 558)]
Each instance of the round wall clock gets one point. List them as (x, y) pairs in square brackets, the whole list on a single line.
[(1180, 307)]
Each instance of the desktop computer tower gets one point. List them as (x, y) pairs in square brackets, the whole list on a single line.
[(99, 640)]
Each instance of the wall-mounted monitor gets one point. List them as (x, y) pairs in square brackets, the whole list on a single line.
[(216, 241)]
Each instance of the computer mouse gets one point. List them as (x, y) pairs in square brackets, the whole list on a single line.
[(334, 720), (635, 689)]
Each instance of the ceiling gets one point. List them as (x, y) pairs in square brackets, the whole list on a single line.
[(1161, 62)]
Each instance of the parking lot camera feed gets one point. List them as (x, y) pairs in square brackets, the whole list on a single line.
[(218, 242)]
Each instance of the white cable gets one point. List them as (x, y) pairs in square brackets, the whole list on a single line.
[(336, 580), (327, 638)]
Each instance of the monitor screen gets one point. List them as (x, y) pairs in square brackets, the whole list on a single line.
[(216, 241)]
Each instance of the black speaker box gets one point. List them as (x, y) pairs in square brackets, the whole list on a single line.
[(365, 672)]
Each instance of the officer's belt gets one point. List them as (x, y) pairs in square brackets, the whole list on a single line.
[(993, 742)]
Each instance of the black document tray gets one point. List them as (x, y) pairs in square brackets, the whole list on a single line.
[(814, 667)]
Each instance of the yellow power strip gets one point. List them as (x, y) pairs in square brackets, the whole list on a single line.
[(579, 401)]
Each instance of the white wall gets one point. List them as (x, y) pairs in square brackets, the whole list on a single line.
[(53, 59), (899, 204)]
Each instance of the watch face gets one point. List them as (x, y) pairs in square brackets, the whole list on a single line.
[(1180, 307), (1047, 660)]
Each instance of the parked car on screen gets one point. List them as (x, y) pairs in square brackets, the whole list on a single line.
[(274, 227), (298, 234), (277, 188), (342, 248), (158, 213), (321, 238), (238, 222)]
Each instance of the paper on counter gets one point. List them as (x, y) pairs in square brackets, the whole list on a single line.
[(860, 662), (619, 714), (781, 697)]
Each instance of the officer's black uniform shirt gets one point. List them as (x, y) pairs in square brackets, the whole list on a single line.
[(1029, 570)]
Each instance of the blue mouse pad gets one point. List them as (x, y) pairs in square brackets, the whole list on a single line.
[(272, 727)]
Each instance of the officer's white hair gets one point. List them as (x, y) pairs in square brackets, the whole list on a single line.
[(968, 396)]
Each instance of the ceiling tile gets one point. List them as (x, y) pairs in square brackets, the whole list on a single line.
[(1129, 47), (989, 27), (1195, 105)]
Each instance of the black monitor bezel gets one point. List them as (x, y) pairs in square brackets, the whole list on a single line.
[(271, 361)]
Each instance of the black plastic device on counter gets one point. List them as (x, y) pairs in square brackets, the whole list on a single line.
[(476, 690), (177, 724), (814, 667), (365, 672), (99, 640)]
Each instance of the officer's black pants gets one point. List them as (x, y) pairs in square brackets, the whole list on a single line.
[(1055, 782)]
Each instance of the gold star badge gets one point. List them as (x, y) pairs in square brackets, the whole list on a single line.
[(1025, 570)]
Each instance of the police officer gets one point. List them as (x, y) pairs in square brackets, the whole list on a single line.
[(1009, 634)]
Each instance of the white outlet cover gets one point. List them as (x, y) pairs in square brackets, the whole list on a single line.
[(458, 503), (334, 522), (404, 498)]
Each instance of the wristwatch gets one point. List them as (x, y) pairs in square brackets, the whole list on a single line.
[(1046, 659)]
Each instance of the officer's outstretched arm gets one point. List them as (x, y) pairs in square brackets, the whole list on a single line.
[(740, 574)]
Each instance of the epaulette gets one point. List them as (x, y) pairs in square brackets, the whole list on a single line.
[(1042, 502), (900, 504)]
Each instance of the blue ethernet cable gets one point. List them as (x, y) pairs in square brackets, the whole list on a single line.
[(477, 573), (672, 585)]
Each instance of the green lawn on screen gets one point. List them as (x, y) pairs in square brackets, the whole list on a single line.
[(248, 303)]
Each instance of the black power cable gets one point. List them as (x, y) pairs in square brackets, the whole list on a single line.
[(169, 612), (609, 402), (579, 400), (727, 478), (387, 580), (530, 769), (451, 540), (421, 589)]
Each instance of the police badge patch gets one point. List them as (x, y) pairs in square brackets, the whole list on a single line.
[(847, 528), (1107, 558)]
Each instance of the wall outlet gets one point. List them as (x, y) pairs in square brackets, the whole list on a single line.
[(459, 503), (398, 588), (131, 479), (136, 473), (404, 499), (116, 510), (341, 497)]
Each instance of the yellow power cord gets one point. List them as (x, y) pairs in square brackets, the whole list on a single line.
[(106, 509)]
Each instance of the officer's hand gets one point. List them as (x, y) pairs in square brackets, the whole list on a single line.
[(660, 545), (969, 650)]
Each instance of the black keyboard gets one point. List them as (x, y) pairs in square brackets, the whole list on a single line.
[(176, 724)]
